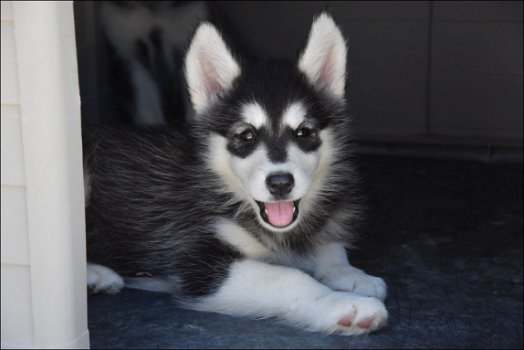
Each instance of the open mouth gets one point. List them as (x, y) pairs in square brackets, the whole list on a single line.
[(279, 214)]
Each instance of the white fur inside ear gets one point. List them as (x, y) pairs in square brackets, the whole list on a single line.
[(210, 67), (324, 58)]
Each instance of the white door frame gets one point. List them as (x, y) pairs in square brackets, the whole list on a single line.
[(51, 133)]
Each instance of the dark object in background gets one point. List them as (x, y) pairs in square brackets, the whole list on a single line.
[(146, 42), (140, 46)]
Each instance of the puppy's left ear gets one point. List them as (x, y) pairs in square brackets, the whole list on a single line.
[(210, 67), (323, 61)]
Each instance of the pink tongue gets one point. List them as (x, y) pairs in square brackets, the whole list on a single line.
[(280, 213)]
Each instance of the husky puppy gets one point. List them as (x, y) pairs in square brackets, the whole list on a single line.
[(248, 212)]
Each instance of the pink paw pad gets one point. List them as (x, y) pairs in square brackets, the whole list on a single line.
[(365, 322), (346, 321)]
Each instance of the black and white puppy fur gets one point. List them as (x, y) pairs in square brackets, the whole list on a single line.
[(248, 212)]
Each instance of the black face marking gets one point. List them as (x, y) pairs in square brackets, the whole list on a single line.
[(246, 141), (307, 137), (302, 132), (276, 145), (243, 141)]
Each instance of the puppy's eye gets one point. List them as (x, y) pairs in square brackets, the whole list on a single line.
[(247, 135), (302, 132)]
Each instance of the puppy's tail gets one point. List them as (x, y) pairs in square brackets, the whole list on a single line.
[(154, 284)]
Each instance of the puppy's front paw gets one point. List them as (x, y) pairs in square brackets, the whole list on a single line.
[(350, 279), (367, 285), (101, 279), (349, 314)]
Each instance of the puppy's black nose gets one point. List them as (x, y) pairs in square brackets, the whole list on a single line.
[(280, 184)]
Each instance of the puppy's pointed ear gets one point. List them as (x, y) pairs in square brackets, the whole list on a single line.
[(210, 67), (323, 61)]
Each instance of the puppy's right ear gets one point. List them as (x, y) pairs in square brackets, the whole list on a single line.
[(210, 67)]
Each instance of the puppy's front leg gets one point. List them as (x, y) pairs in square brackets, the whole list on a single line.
[(333, 269), (258, 289)]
